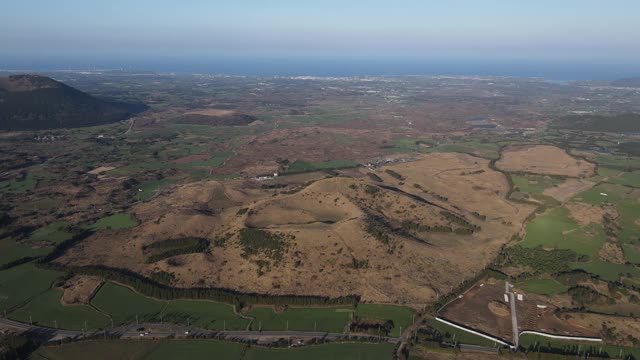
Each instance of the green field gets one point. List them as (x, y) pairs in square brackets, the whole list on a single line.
[(124, 305), (488, 150), (208, 349), (21, 283), (215, 161), (619, 352), (626, 178), (542, 286), (321, 319), (196, 349), (608, 271), (149, 188), (400, 315), (114, 222), (303, 166), (556, 230), (205, 314), (460, 335), (11, 250), (534, 184), (353, 351), (19, 186), (56, 232), (46, 309), (409, 145), (619, 162)]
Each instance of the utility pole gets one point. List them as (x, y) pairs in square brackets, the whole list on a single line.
[(287, 325), (55, 322), (224, 325)]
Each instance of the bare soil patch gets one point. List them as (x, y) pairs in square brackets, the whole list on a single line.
[(545, 160), (498, 308), (101, 169), (80, 289), (211, 112), (585, 214), (612, 252)]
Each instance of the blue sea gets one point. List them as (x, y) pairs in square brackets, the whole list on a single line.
[(332, 67)]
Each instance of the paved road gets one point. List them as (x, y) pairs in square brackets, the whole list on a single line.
[(514, 316), (165, 330)]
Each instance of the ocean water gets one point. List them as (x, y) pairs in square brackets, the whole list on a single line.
[(333, 67)]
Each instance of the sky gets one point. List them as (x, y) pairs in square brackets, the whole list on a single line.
[(558, 30)]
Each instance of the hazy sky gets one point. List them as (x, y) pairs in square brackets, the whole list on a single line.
[(540, 29)]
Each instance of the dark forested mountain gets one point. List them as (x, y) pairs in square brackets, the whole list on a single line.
[(29, 102)]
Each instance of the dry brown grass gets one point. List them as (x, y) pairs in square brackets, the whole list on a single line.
[(624, 326), (544, 160), (327, 219), (211, 112), (80, 289), (568, 189)]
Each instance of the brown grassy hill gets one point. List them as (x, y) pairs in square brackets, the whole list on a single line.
[(390, 242)]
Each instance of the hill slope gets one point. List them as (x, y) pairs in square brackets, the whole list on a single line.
[(30, 102)]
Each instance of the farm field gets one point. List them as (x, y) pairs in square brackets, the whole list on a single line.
[(542, 286), (400, 315), (304, 319), (531, 341), (11, 250), (46, 310), (114, 222), (207, 349), (15, 291), (484, 150), (460, 336), (534, 184), (205, 314), (123, 305)]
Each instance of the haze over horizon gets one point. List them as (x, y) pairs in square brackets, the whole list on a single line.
[(290, 37)]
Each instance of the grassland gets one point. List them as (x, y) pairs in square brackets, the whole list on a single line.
[(124, 305), (19, 186), (488, 150), (460, 336), (21, 283), (322, 352), (47, 310), (56, 232), (149, 188), (529, 340), (409, 145), (208, 349), (303, 166), (11, 250), (114, 222), (320, 319), (400, 315), (547, 287), (215, 161), (554, 229), (534, 184), (205, 314)]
